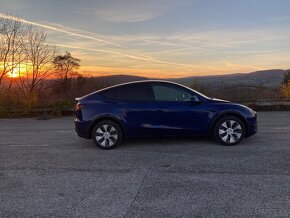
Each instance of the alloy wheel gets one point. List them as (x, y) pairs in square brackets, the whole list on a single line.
[(106, 135), (230, 131)]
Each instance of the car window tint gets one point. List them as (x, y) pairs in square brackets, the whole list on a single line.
[(134, 92), (170, 93)]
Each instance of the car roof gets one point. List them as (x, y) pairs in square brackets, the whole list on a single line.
[(152, 81), (140, 81), (143, 81)]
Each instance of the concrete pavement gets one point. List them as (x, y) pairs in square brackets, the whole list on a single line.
[(47, 171)]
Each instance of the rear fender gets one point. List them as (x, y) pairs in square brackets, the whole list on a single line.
[(102, 117)]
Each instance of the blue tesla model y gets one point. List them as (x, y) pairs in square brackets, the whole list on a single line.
[(159, 108)]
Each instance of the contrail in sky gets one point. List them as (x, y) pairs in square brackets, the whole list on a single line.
[(55, 29), (123, 54), (148, 58)]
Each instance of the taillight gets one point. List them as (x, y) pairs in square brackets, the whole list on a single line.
[(80, 106)]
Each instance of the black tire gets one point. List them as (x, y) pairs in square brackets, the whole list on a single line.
[(229, 130), (107, 134)]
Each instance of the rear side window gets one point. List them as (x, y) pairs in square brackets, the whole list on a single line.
[(133, 92)]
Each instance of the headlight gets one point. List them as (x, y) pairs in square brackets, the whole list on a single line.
[(252, 112)]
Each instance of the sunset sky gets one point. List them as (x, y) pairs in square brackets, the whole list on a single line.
[(164, 38)]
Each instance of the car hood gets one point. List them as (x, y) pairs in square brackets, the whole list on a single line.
[(216, 100)]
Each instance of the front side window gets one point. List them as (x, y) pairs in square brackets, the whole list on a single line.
[(170, 93), (133, 92)]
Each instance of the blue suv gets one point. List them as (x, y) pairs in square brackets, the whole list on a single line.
[(159, 108)]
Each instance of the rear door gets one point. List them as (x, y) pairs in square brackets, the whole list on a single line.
[(135, 103)]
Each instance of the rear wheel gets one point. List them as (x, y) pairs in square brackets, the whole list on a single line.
[(229, 130), (107, 134)]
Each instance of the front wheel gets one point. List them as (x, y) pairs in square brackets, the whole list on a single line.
[(229, 130), (107, 134)]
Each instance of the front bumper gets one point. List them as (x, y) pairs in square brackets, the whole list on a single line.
[(252, 126)]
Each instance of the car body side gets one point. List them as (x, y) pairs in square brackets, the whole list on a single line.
[(153, 118)]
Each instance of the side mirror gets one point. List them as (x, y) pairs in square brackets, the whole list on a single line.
[(195, 99)]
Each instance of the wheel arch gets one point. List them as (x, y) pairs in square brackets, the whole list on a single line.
[(229, 113), (106, 117)]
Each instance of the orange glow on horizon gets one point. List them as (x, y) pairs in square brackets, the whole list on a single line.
[(148, 72), (96, 71)]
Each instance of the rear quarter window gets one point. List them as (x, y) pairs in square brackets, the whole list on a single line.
[(134, 92)]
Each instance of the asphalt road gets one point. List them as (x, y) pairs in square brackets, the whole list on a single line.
[(47, 171)]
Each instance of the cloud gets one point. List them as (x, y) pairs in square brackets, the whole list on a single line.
[(140, 58), (230, 37), (216, 51), (13, 5), (129, 10), (58, 29)]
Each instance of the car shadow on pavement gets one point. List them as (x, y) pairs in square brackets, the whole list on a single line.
[(168, 141)]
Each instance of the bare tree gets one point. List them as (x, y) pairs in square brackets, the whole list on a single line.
[(11, 41), (38, 56)]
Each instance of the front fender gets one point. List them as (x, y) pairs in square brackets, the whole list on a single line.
[(231, 112)]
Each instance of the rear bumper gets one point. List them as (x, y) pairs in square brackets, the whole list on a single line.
[(82, 128), (252, 126)]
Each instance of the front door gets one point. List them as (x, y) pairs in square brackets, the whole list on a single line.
[(179, 115)]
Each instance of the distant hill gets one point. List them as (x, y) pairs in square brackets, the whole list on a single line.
[(267, 78)]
